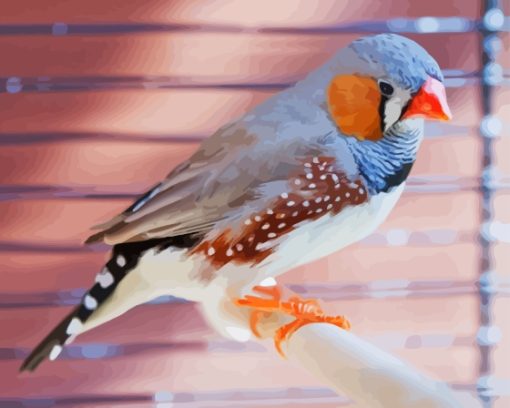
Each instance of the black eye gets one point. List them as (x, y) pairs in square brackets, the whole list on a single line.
[(386, 88)]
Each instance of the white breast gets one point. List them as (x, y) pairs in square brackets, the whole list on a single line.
[(329, 233)]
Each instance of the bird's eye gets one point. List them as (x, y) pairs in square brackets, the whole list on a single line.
[(386, 88)]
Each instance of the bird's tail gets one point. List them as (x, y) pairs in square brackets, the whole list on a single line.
[(107, 299)]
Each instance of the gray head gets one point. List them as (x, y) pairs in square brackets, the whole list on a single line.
[(378, 81)]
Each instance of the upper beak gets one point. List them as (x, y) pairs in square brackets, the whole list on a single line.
[(430, 102)]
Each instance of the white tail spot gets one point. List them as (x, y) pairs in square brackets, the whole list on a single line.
[(121, 261), (105, 278), (74, 326), (55, 351), (230, 252), (90, 302), (211, 251)]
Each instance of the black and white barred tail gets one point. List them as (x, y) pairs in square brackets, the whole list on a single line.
[(124, 259)]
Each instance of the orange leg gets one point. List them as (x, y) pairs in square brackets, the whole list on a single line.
[(305, 311)]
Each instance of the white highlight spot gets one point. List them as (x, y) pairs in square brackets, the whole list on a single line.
[(74, 326), (268, 282), (238, 333), (90, 302), (211, 251), (105, 278), (121, 261), (55, 351)]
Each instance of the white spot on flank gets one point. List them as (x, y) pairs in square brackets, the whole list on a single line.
[(326, 198), (90, 302), (323, 177), (239, 247), (315, 160), (321, 168), (257, 218), (74, 326), (238, 333), (211, 251), (269, 211), (268, 282), (347, 195), (295, 213), (337, 199), (318, 211), (121, 261), (230, 252), (284, 195), (308, 165), (306, 203), (312, 185), (55, 351), (265, 226), (318, 200), (297, 182), (361, 191), (259, 246), (335, 178), (309, 176), (290, 203), (247, 222), (280, 226), (280, 216), (329, 207), (271, 235), (105, 278)]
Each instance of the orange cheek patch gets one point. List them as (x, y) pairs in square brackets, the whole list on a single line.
[(353, 103), (319, 190)]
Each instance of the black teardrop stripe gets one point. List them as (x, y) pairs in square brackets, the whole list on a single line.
[(131, 252), (396, 178)]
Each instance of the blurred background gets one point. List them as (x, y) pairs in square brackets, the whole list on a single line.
[(99, 99)]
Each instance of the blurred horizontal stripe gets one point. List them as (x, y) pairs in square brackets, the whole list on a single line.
[(377, 289), (396, 25)]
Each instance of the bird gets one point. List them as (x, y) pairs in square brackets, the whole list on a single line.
[(311, 170)]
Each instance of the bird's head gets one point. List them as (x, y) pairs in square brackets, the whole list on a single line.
[(380, 81)]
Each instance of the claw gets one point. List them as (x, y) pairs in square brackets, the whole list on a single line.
[(305, 311)]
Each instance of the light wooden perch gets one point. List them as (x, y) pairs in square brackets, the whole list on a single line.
[(350, 365)]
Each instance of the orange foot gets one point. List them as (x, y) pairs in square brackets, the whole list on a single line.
[(305, 311)]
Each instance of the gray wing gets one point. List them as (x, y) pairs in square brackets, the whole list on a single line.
[(231, 169)]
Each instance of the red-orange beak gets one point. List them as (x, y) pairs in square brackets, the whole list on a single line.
[(430, 102)]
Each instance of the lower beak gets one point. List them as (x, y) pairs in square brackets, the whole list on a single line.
[(430, 102)]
